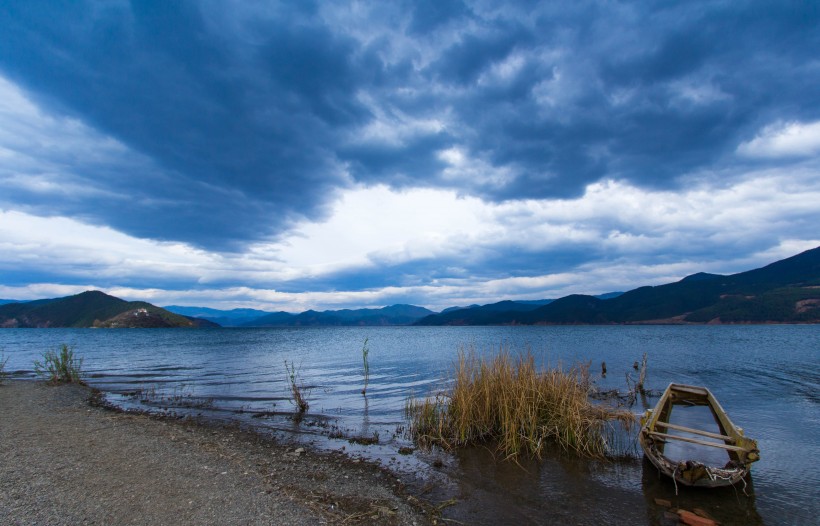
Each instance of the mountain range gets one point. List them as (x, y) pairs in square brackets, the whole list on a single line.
[(786, 291), (392, 315), (225, 318)]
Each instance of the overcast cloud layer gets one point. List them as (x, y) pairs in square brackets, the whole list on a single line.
[(301, 155)]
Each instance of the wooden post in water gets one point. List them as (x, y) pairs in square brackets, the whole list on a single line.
[(603, 369)]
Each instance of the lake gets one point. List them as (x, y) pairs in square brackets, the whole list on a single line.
[(766, 377)]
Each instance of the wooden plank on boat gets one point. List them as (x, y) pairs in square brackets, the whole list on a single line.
[(666, 436), (689, 389), (693, 431)]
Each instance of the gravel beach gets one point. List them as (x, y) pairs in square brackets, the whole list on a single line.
[(66, 460)]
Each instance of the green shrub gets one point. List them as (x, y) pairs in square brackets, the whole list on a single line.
[(60, 367)]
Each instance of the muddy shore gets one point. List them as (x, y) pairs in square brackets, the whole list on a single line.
[(67, 460)]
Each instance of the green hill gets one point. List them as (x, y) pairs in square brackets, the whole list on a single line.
[(91, 309)]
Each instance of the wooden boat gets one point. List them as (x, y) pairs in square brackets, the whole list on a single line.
[(657, 431)]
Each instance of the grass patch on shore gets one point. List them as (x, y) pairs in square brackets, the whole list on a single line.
[(61, 366), (506, 399)]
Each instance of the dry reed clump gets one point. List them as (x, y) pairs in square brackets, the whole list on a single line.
[(508, 400)]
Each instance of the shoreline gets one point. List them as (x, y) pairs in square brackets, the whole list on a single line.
[(70, 459)]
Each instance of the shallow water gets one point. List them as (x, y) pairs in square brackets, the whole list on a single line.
[(766, 377)]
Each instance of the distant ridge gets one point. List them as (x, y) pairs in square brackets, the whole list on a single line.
[(488, 314), (786, 291), (225, 318), (392, 315), (92, 309)]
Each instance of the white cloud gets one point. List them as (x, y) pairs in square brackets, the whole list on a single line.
[(71, 248), (504, 71), (784, 139), (380, 223), (639, 237), (469, 172), (393, 127), (38, 151)]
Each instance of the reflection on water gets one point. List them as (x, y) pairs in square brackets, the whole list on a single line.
[(563, 489), (729, 506), (558, 489), (764, 376)]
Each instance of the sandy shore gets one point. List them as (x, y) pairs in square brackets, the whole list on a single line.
[(64, 460)]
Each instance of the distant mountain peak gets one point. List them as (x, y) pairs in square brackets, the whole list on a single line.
[(92, 308), (700, 276)]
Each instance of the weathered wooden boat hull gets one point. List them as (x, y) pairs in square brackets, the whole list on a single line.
[(654, 435)]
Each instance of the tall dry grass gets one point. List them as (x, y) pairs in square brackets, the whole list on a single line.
[(508, 400)]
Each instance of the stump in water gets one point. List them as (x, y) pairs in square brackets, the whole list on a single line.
[(642, 376)]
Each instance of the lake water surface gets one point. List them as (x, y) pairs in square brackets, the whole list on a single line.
[(766, 377)]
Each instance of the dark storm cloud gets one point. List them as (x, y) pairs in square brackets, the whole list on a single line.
[(429, 15), (646, 94), (241, 118), (464, 61), (237, 144)]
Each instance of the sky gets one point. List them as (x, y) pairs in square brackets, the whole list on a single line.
[(300, 155)]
